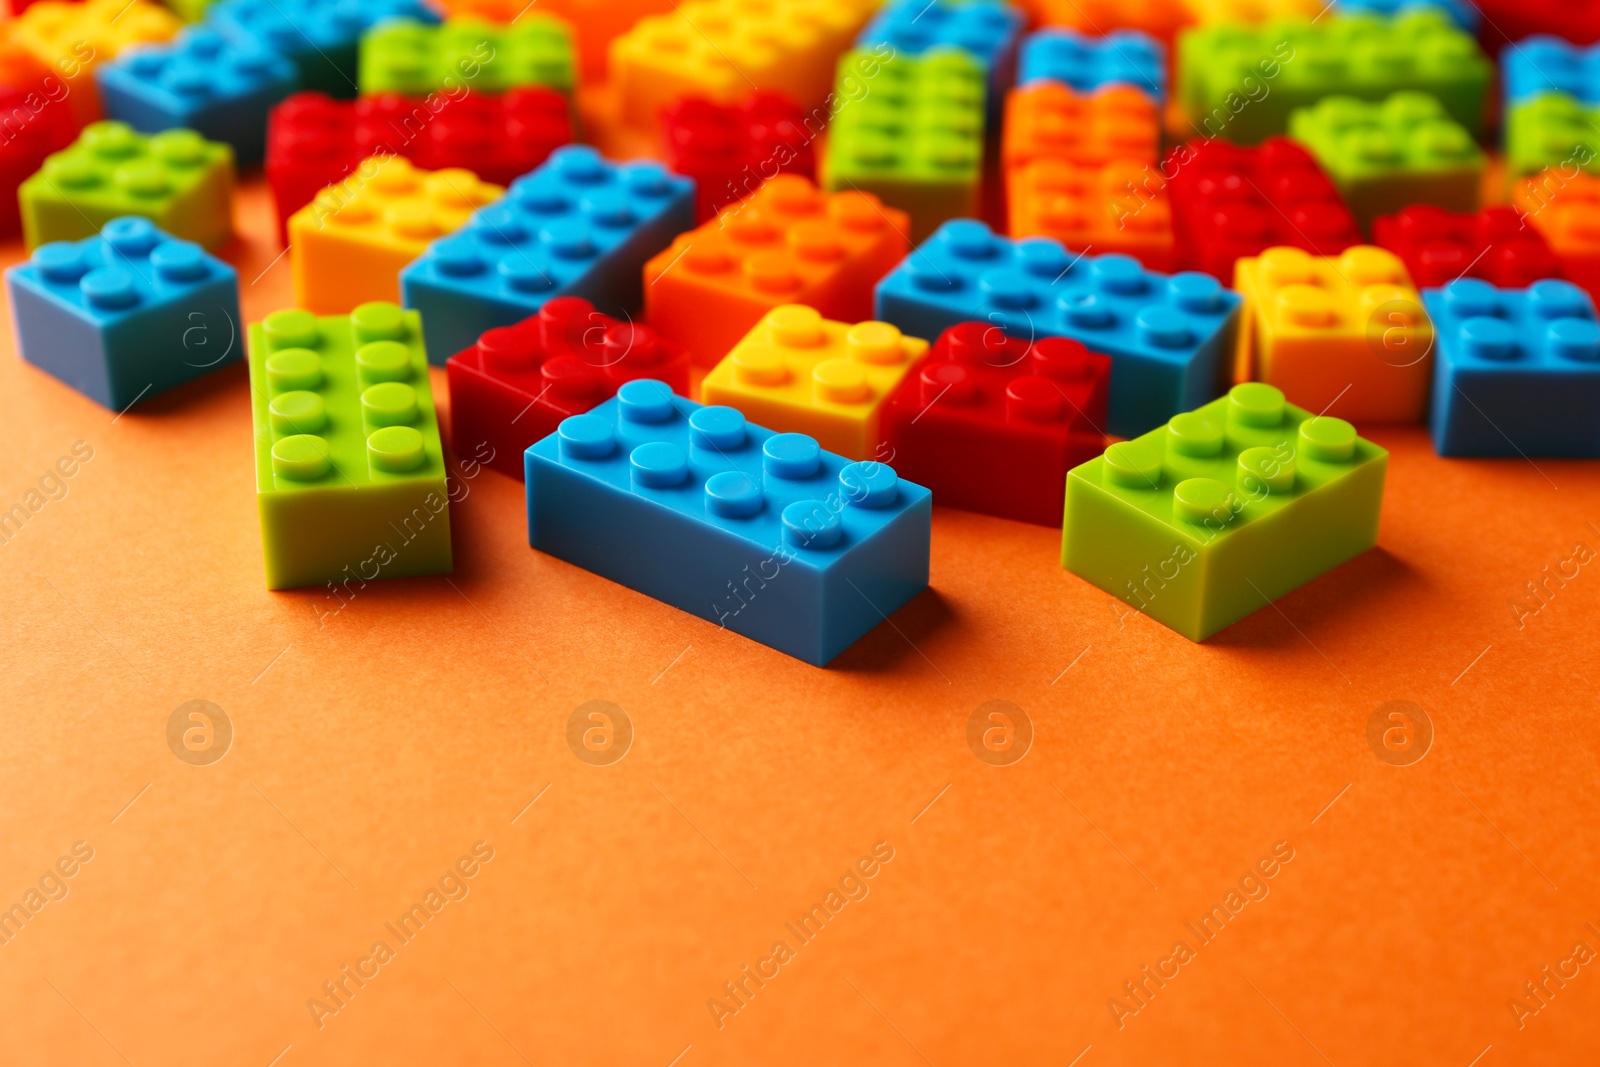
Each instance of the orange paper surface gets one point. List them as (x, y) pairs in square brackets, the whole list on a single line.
[(374, 745)]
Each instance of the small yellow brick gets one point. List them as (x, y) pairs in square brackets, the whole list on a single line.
[(348, 246), (797, 372)]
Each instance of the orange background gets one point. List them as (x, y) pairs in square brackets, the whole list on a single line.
[(375, 746)]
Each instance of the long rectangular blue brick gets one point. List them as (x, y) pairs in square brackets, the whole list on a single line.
[(760, 532), (1167, 335)]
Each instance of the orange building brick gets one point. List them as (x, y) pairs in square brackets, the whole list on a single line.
[(594, 22), (1344, 336), (1565, 209), (71, 38), (348, 246), (1119, 207), (724, 49), (787, 243), (1048, 120), (798, 372)]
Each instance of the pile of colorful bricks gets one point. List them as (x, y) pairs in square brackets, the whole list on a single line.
[(741, 288)]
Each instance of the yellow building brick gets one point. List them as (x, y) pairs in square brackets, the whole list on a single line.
[(71, 38), (1340, 335), (797, 372), (724, 49), (348, 246)]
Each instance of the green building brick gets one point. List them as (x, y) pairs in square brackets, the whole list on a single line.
[(176, 179), (350, 474), (1241, 83), (410, 57), (1387, 156), (1552, 129), (1225, 508), (910, 129)]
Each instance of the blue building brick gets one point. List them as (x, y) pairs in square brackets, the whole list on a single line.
[(127, 315), (322, 37), (1463, 13), (1167, 335), (1124, 57), (987, 30), (578, 225), (761, 533), (1516, 371), (200, 81), (1545, 64)]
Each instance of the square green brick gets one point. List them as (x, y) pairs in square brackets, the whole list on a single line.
[(1225, 508), (1391, 155), (1552, 130), (910, 130), (1241, 83), (350, 473), (414, 58), (176, 179)]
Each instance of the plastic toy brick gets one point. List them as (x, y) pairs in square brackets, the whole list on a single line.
[(1160, 19), (177, 179), (321, 37), (987, 30), (1563, 205), (1385, 157), (992, 423), (1552, 130), (1207, 519), (1084, 64), (313, 141), (1252, 12), (786, 244), (798, 372), (32, 126), (1464, 13), (72, 38), (1518, 372), (730, 149), (1508, 21), (187, 10), (577, 226), (350, 474), (127, 315), (1048, 120), (594, 22), (764, 534), (1121, 207), (1166, 334), (724, 49), (1230, 201), (1241, 83), (1345, 336), (1496, 245), (348, 245), (915, 139), (415, 58), (518, 382), (201, 81), (1546, 64)]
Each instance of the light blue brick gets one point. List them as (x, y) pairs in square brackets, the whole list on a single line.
[(1124, 57), (1545, 64), (1168, 336), (200, 81), (127, 315), (578, 225), (764, 534), (321, 37), (1516, 371), (1463, 12)]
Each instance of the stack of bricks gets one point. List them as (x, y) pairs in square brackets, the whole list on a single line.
[(987, 30), (1552, 97), (724, 49), (911, 131), (786, 244), (1242, 83), (314, 141), (1084, 64)]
